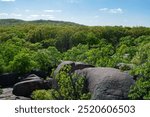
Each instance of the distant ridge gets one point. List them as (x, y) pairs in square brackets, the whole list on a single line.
[(10, 21), (4, 22)]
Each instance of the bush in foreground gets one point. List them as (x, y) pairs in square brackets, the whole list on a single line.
[(44, 95), (70, 87), (141, 89)]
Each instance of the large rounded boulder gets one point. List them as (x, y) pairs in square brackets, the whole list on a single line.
[(107, 83), (25, 88), (74, 66), (8, 79)]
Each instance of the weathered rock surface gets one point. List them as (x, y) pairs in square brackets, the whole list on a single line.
[(8, 79), (74, 66), (7, 95), (39, 73), (25, 88), (107, 83), (103, 83), (31, 77)]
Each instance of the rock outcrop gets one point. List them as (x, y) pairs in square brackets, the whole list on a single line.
[(8, 79), (31, 77), (7, 95), (107, 83), (25, 88), (74, 66), (102, 83)]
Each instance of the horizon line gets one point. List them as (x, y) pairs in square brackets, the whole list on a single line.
[(74, 22)]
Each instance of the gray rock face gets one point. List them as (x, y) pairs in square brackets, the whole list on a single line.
[(8, 79), (7, 95), (107, 83), (25, 88), (74, 66), (32, 77), (60, 66), (80, 65)]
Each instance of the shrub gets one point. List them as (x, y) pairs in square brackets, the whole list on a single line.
[(44, 94), (71, 86), (141, 89)]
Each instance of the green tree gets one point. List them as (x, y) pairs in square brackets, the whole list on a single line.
[(142, 55), (8, 51), (49, 42), (79, 37), (22, 62), (76, 53), (91, 39), (47, 58), (141, 89), (64, 39)]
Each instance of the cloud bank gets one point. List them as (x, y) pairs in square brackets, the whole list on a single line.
[(112, 11)]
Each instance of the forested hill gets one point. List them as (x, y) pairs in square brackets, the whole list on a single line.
[(6, 22)]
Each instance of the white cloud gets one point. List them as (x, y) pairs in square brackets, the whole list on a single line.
[(16, 15), (8, 0), (39, 16), (3, 14), (113, 11), (118, 10), (47, 16), (103, 9), (52, 11), (34, 15), (43, 15)]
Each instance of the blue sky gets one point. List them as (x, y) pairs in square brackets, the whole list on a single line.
[(88, 12)]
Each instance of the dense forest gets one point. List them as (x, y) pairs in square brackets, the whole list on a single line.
[(42, 45)]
